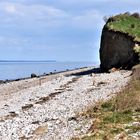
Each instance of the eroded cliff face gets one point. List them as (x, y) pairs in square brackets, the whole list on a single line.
[(116, 50)]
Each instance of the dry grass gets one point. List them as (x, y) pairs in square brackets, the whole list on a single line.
[(129, 98), (116, 116)]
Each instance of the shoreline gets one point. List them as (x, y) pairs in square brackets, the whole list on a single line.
[(10, 87), (44, 75)]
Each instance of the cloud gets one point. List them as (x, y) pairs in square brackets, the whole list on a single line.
[(57, 26), (34, 7), (10, 8), (16, 12)]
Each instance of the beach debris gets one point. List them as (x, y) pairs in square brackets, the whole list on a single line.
[(26, 107)]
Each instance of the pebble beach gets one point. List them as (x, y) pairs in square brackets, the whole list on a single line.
[(47, 108)]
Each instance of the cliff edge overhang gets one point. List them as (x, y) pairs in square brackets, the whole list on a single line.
[(120, 35)]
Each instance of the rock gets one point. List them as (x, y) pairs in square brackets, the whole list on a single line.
[(58, 122), (136, 72), (137, 124), (72, 119), (113, 70), (117, 49), (1, 81), (33, 75), (41, 130), (121, 136)]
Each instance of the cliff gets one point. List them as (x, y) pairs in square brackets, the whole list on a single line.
[(120, 35)]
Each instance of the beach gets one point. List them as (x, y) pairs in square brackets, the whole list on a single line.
[(48, 107)]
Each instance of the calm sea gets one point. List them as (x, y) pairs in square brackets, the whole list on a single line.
[(15, 70)]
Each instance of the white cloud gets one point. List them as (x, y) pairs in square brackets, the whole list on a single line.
[(36, 14), (10, 8), (30, 12), (18, 14)]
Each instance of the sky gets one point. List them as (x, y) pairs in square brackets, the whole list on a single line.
[(61, 30)]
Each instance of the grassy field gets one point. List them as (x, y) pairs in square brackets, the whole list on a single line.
[(118, 118), (127, 24)]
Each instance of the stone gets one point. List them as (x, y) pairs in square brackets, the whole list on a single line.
[(113, 70), (41, 130), (50, 120), (136, 72), (1, 81), (33, 75)]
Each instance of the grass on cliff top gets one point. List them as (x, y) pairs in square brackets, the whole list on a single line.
[(116, 118), (127, 24)]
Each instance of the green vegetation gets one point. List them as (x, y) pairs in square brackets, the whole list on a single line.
[(117, 117), (126, 23)]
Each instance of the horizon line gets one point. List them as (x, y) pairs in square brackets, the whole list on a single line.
[(27, 60)]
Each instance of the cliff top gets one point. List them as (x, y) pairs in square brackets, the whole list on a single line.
[(126, 23)]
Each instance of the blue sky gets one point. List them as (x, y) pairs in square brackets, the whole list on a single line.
[(62, 30)]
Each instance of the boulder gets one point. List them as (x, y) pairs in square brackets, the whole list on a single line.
[(33, 75), (136, 72)]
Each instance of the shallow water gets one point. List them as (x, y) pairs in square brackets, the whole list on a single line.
[(15, 70)]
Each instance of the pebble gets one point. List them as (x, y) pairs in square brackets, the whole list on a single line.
[(57, 116)]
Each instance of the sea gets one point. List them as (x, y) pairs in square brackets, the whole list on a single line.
[(17, 70)]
